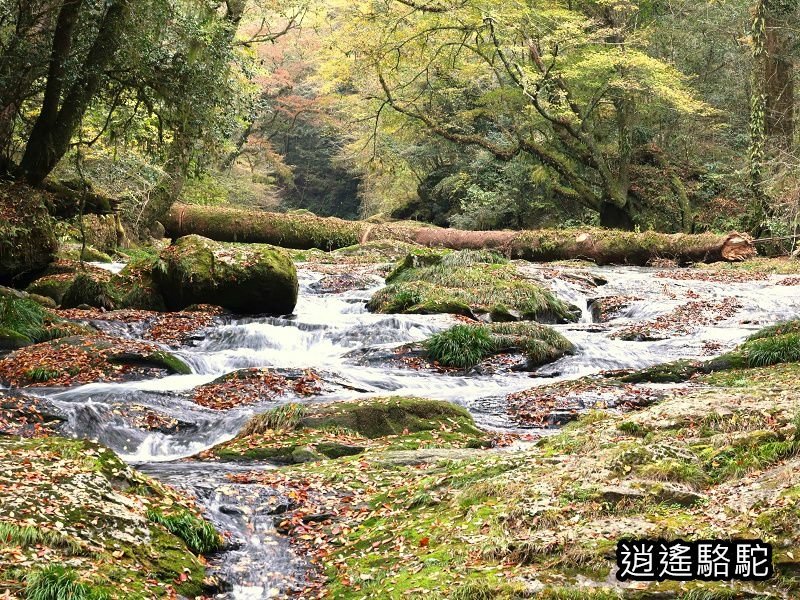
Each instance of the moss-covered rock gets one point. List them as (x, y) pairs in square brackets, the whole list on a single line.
[(90, 291), (99, 533), (464, 346), (477, 284), (75, 251), (244, 278), (27, 234), (295, 433), (136, 287)]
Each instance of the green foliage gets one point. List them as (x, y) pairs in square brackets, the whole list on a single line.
[(467, 283), (199, 535), (57, 582), (85, 289), (286, 416), (462, 346), (762, 352), (28, 536), (42, 375), (777, 329), (23, 316)]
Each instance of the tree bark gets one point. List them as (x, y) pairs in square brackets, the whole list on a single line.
[(599, 245), (53, 130)]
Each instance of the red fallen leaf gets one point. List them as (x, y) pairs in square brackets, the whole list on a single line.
[(423, 543)]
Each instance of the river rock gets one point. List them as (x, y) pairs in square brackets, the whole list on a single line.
[(27, 235), (243, 278)]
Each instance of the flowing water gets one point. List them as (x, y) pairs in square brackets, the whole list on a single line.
[(330, 333)]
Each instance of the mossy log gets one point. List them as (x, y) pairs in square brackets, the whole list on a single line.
[(66, 198), (302, 231)]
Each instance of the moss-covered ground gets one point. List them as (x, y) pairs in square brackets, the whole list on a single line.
[(297, 433), (73, 517), (719, 462)]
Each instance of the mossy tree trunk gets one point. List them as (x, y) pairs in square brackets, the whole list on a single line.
[(598, 245)]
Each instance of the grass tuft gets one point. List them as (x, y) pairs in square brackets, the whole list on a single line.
[(59, 583), (286, 416), (199, 535), (28, 536), (464, 346), (767, 351), (22, 316)]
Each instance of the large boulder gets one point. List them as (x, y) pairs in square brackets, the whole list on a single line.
[(27, 235), (243, 278)]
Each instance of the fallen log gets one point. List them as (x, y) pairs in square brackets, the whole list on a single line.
[(603, 246)]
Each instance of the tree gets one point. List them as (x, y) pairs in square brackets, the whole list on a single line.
[(64, 105), (569, 87)]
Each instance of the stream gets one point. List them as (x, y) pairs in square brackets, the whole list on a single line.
[(330, 332)]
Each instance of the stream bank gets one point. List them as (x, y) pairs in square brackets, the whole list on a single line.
[(439, 517)]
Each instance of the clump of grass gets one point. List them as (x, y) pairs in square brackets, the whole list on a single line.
[(671, 469), (84, 289), (286, 416), (633, 428), (776, 330), (474, 590), (42, 374), (27, 536), (763, 352), (756, 451), (464, 346), (59, 583), (199, 535), (22, 316)]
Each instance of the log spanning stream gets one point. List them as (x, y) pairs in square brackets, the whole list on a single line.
[(332, 333)]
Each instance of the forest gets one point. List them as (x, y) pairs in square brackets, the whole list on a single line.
[(453, 299)]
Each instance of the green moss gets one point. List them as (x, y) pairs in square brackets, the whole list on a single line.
[(51, 286), (159, 360), (390, 416), (244, 278), (470, 284), (296, 433), (675, 372)]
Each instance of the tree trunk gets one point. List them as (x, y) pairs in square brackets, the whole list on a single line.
[(779, 78), (601, 246), (55, 126)]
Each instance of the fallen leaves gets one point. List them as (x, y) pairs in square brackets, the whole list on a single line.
[(255, 385)]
